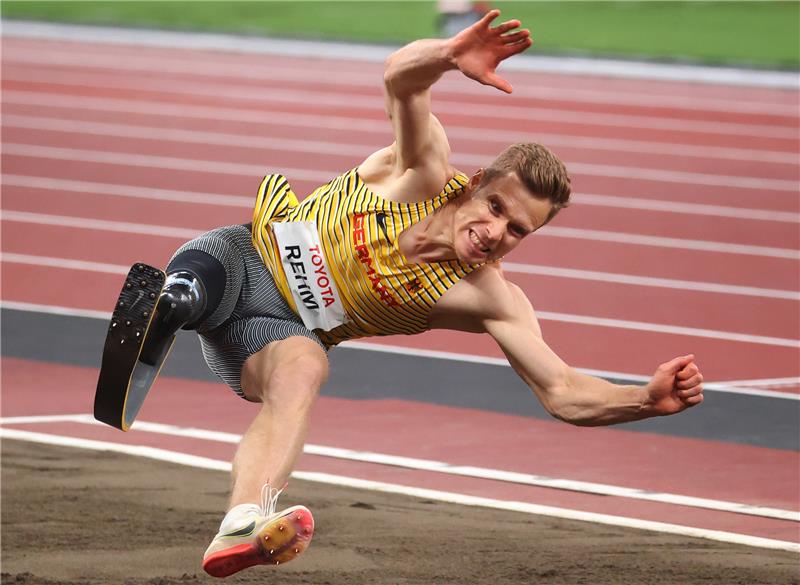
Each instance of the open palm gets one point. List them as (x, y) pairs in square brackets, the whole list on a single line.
[(479, 49)]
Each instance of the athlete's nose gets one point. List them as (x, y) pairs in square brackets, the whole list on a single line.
[(495, 230)]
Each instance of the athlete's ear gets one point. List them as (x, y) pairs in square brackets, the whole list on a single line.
[(475, 180)]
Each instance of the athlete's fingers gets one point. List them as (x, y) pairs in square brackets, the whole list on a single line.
[(518, 47), (694, 400), (693, 381), (688, 371), (496, 81), (516, 36), (689, 392), (506, 26), (675, 365), (488, 18)]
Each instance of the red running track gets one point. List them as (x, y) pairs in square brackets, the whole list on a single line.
[(90, 130)]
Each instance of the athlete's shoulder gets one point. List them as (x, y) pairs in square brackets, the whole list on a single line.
[(384, 174)]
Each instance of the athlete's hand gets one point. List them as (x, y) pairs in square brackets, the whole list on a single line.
[(479, 49), (676, 386)]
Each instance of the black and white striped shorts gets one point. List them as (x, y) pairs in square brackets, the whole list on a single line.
[(252, 312)]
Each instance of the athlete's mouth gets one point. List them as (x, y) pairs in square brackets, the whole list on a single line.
[(476, 241)]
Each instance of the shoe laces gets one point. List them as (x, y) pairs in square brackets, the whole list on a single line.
[(269, 499)]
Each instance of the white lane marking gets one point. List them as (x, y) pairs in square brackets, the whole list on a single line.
[(66, 263), (510, 267), (670, 329), (271, 117), (239, 72), (548, 315), (617, 278), (207, 463), (678, 207), (162, 162), (544, 315), (359, 101), (194, 197), (377, 54), (361, 151), (55, 310), (547, 231), (113, 189), (424, 353), (100, 224), (664, 242), (792, 381), (442, 467)]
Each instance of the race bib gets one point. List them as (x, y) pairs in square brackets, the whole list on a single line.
[(314, 292)]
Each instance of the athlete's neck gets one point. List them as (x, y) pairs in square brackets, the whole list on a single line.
[(432, 239)]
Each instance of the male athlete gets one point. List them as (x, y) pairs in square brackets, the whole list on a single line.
[(401, 244)]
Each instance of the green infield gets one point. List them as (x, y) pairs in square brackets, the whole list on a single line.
[(762, 34)]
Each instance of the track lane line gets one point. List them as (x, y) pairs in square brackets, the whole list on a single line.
[(441, 467), (510, 267), (548, 231), (306, 147), (273, 117), (205, 67), (359, 151), (359, 102), (207, 463), (655, 205)]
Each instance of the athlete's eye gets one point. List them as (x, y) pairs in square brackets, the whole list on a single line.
[(517, 230)]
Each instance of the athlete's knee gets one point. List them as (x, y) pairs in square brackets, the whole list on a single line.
[(288, 371)]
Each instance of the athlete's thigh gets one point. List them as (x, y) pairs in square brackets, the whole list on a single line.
[(293, 366)]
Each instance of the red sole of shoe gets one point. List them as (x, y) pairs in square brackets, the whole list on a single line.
[(279, 542)]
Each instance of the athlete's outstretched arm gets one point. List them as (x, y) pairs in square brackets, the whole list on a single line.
[(585, 400), (412, 70)]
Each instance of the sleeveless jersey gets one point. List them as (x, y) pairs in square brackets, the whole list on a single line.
[(382, 292)]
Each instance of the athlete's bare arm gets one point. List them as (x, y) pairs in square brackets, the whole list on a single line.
[(486, 302), (417, 163)]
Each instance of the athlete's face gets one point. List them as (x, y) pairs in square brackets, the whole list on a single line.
[(496, 218)]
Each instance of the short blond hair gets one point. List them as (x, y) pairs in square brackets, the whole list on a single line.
[(541, 171)]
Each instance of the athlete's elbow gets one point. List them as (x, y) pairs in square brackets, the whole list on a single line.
[(559, 403)]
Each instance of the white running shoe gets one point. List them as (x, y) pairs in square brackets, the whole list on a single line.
[(270, 539)]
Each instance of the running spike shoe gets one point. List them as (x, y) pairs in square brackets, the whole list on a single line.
[(260, 540)]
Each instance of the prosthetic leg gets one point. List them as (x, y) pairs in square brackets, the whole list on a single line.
[(151, 307)]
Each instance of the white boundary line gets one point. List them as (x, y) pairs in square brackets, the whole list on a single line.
[(442, 467), (177, 63), (356, 102), (359, 151), (795, 381), (657, 205), (212, 464), (269, 117), (374, 53), (548, 231), (509, 267), (424, 353), (625, 324), (359, 100)]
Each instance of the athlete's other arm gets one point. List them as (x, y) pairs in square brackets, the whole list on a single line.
[(501, 309), (421, 144)]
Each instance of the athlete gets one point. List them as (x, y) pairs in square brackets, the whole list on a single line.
[(401, 244)]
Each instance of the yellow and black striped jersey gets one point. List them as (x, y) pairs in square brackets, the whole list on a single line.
[(382, 293)]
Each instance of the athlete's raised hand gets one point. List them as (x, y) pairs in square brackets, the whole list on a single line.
[(676, 386), (479, 49)]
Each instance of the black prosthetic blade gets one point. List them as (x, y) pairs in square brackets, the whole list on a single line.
[(126, 333)]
